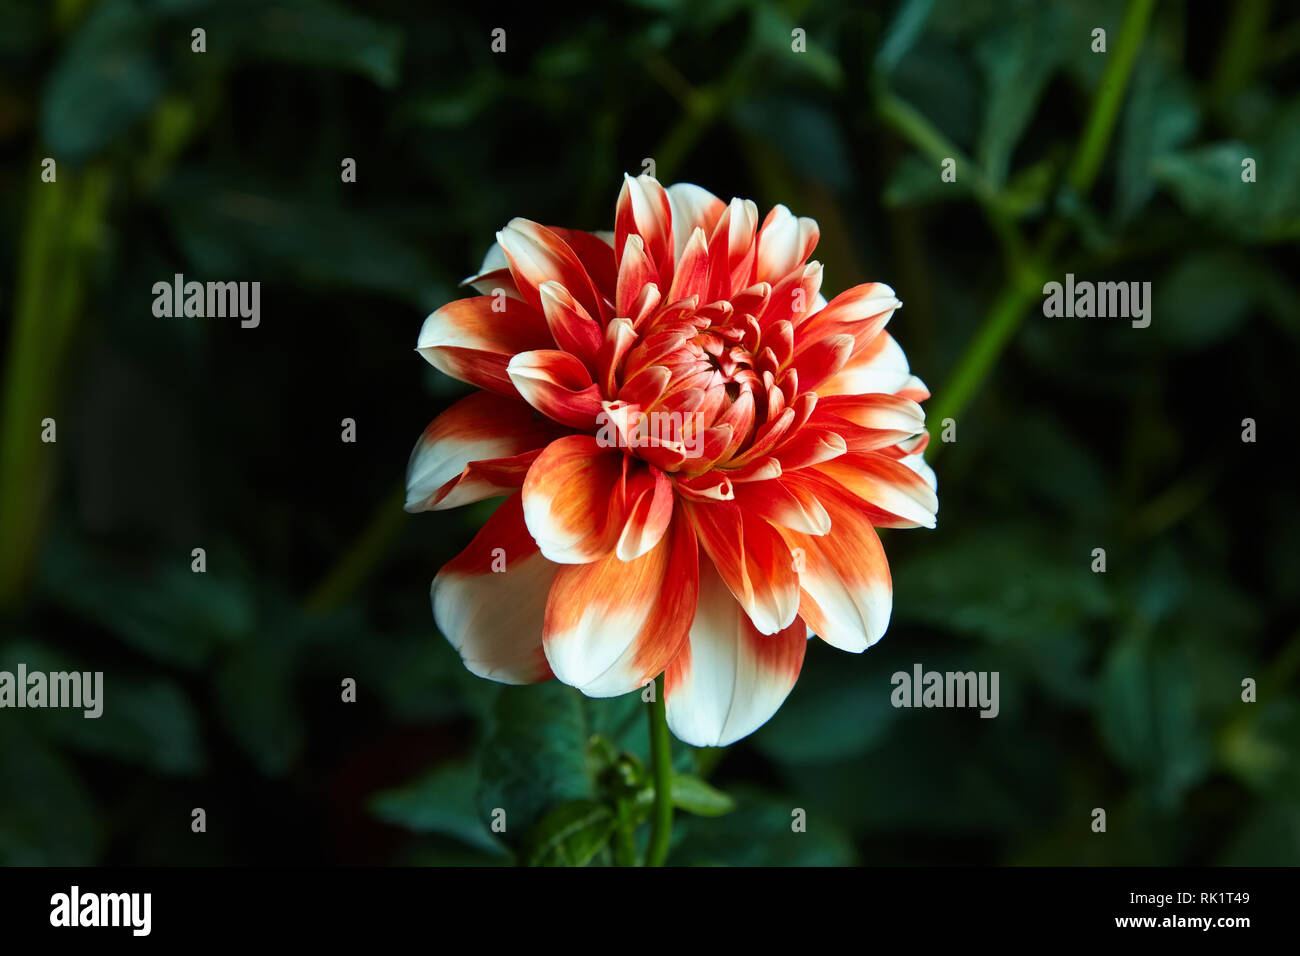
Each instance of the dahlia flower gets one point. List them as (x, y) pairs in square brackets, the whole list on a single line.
[(696, 447)]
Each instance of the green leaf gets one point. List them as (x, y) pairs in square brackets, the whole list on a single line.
[(761, 832), (440, 801), (1148, 714), (1206, 296), (1018, 57), (772, 35), (316, 33), (902, 34), (1003, 583), (168, 613), (1262, 746), (225, 228), (254, 694), (534, 756), (695, 796), (105, 80), (943, 86), (47, 818), (148, 721), (570, 834), (917, 181), (1161, 116), (1207, 181)]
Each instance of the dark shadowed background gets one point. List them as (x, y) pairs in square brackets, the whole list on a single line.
[(1119, 690)]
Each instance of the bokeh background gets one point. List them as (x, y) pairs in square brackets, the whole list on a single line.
[(1119, 690)]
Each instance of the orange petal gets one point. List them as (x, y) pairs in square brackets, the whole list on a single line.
[(752, 559), (613, 625), (650, 509), (847, 593), (575, 500), (889, 493)]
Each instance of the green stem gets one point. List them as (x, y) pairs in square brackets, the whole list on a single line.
[(624, 846), (921, 133), (363, 555), (61, 233), (661, 767), (1003, 319), (1239, 56), (912, 125), (1110, 96), (1023, 286)]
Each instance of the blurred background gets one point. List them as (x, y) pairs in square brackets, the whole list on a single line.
[(1119, 690)]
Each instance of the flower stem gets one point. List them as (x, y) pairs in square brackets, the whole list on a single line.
[(661, 766), (624, 846), (1009, 309), (1110, 96), (62, 229), (362, 555)]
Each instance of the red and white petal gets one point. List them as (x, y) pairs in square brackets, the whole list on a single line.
[(753, 560), (490, 600), (914, 389), (643, 209), (595, 250), (880, 367), (573, 329), (693, 207), (471, 340), (480, 427), (494, 274), (893, 494), (870, 422), (732, 249), (918, 464), (728, 680), (787, 504), (876, 412), (538, 255), (823, 362), (784, 244), (649, 512), (808, 447), (558, 385), (575, 500), (847, 592), (484, 479), (613, 625), (861, 312), (691, 275), (636, 272)]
